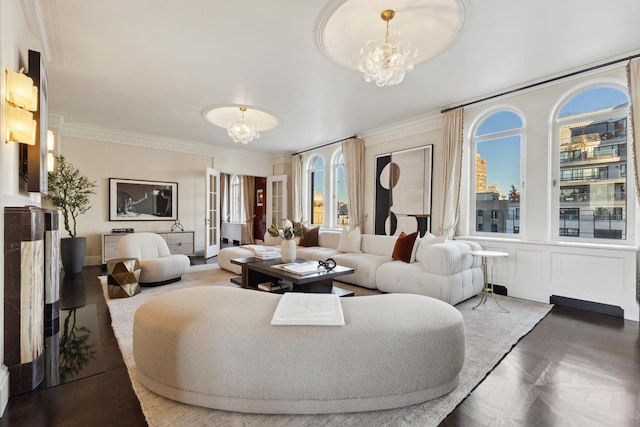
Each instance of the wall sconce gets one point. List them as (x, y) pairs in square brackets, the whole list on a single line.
[(21, 99), (20, 125)]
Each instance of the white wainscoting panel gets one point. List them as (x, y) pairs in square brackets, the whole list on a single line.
[(583, 272), (536, 271)]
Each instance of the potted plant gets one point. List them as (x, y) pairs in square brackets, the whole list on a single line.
[(69, 191)]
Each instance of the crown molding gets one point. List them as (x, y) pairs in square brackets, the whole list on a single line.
[(113, 136), (63, 125), (403, 129)]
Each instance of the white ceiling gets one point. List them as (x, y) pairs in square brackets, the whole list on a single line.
[(153, 67)]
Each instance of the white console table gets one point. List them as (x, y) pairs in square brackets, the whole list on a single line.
[(179, 242)]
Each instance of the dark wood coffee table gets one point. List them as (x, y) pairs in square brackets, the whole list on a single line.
[(256, 271)]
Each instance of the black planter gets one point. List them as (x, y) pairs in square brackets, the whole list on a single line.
[(72, 251)]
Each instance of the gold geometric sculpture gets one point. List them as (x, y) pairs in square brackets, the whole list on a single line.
[(123, 275)]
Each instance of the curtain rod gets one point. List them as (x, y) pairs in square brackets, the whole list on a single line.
[(324, 145), (509, 92)]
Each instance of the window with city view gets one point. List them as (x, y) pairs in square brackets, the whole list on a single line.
[(592, 166), (497, 141), (235, 196), (316, 179)]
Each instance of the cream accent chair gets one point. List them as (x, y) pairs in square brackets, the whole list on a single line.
[(158, 266)]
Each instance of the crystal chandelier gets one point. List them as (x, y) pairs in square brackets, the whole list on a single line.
[(243, 131), (386, 63)]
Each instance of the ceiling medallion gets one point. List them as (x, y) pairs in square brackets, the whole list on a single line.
[(244, 128), (428, 28), (386, 63)]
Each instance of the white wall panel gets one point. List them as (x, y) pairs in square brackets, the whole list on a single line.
[(536, 271), (529, 266), (582, 272)]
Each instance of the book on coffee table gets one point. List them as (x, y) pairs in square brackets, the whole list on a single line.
[(301, 268), (267, 255)]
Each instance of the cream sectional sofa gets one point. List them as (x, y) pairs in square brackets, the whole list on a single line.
[(445, 271)]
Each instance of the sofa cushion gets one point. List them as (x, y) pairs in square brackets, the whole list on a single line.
[(350, 240), (329, 238), (404, 246), (309, 236), (365, 266), (428, 240), (315, 253), (378, 244)]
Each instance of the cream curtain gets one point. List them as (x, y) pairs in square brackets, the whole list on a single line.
[(296, 171), (451, 162), (224, 197), (353, 153), (633, 75), (248, 204)]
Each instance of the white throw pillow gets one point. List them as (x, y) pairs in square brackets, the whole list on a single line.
[(350, 240), (269, 240), (428, 240), (416, 245)]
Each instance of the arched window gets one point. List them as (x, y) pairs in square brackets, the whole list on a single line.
[(340, 194), (235, 199), (498, 144), (316, 182), (591, 167)]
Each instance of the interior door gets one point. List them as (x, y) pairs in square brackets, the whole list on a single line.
[(212, 221), (276, 199)]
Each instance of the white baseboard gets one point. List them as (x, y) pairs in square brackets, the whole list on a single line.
[(4, 388)]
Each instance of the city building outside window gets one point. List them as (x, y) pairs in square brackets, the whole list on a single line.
[(498, 144), (591, 139)]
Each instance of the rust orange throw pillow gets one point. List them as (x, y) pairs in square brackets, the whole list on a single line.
[(404, 246)]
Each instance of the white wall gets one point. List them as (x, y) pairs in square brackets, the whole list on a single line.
[(413, 133), (13, 55), (100, 160)]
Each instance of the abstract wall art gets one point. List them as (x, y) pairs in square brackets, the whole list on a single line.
[(403, 191)]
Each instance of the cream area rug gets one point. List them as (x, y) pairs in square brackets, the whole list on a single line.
[(490, 334)]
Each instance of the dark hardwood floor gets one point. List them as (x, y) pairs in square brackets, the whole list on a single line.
[(575, 368), (104, 399)]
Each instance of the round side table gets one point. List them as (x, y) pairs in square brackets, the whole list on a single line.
[(488, 290)]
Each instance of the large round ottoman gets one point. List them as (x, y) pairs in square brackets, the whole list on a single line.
[(216, 347)]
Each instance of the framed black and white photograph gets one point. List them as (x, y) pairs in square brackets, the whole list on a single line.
[(137, 200)]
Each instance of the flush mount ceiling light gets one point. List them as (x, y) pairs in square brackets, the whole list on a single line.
[(427, 28), (386, 63), (243, 123)]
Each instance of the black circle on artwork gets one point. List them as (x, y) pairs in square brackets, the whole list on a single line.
[(393, 223)]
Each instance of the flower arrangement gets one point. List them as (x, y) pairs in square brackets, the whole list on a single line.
[(289, 231)]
